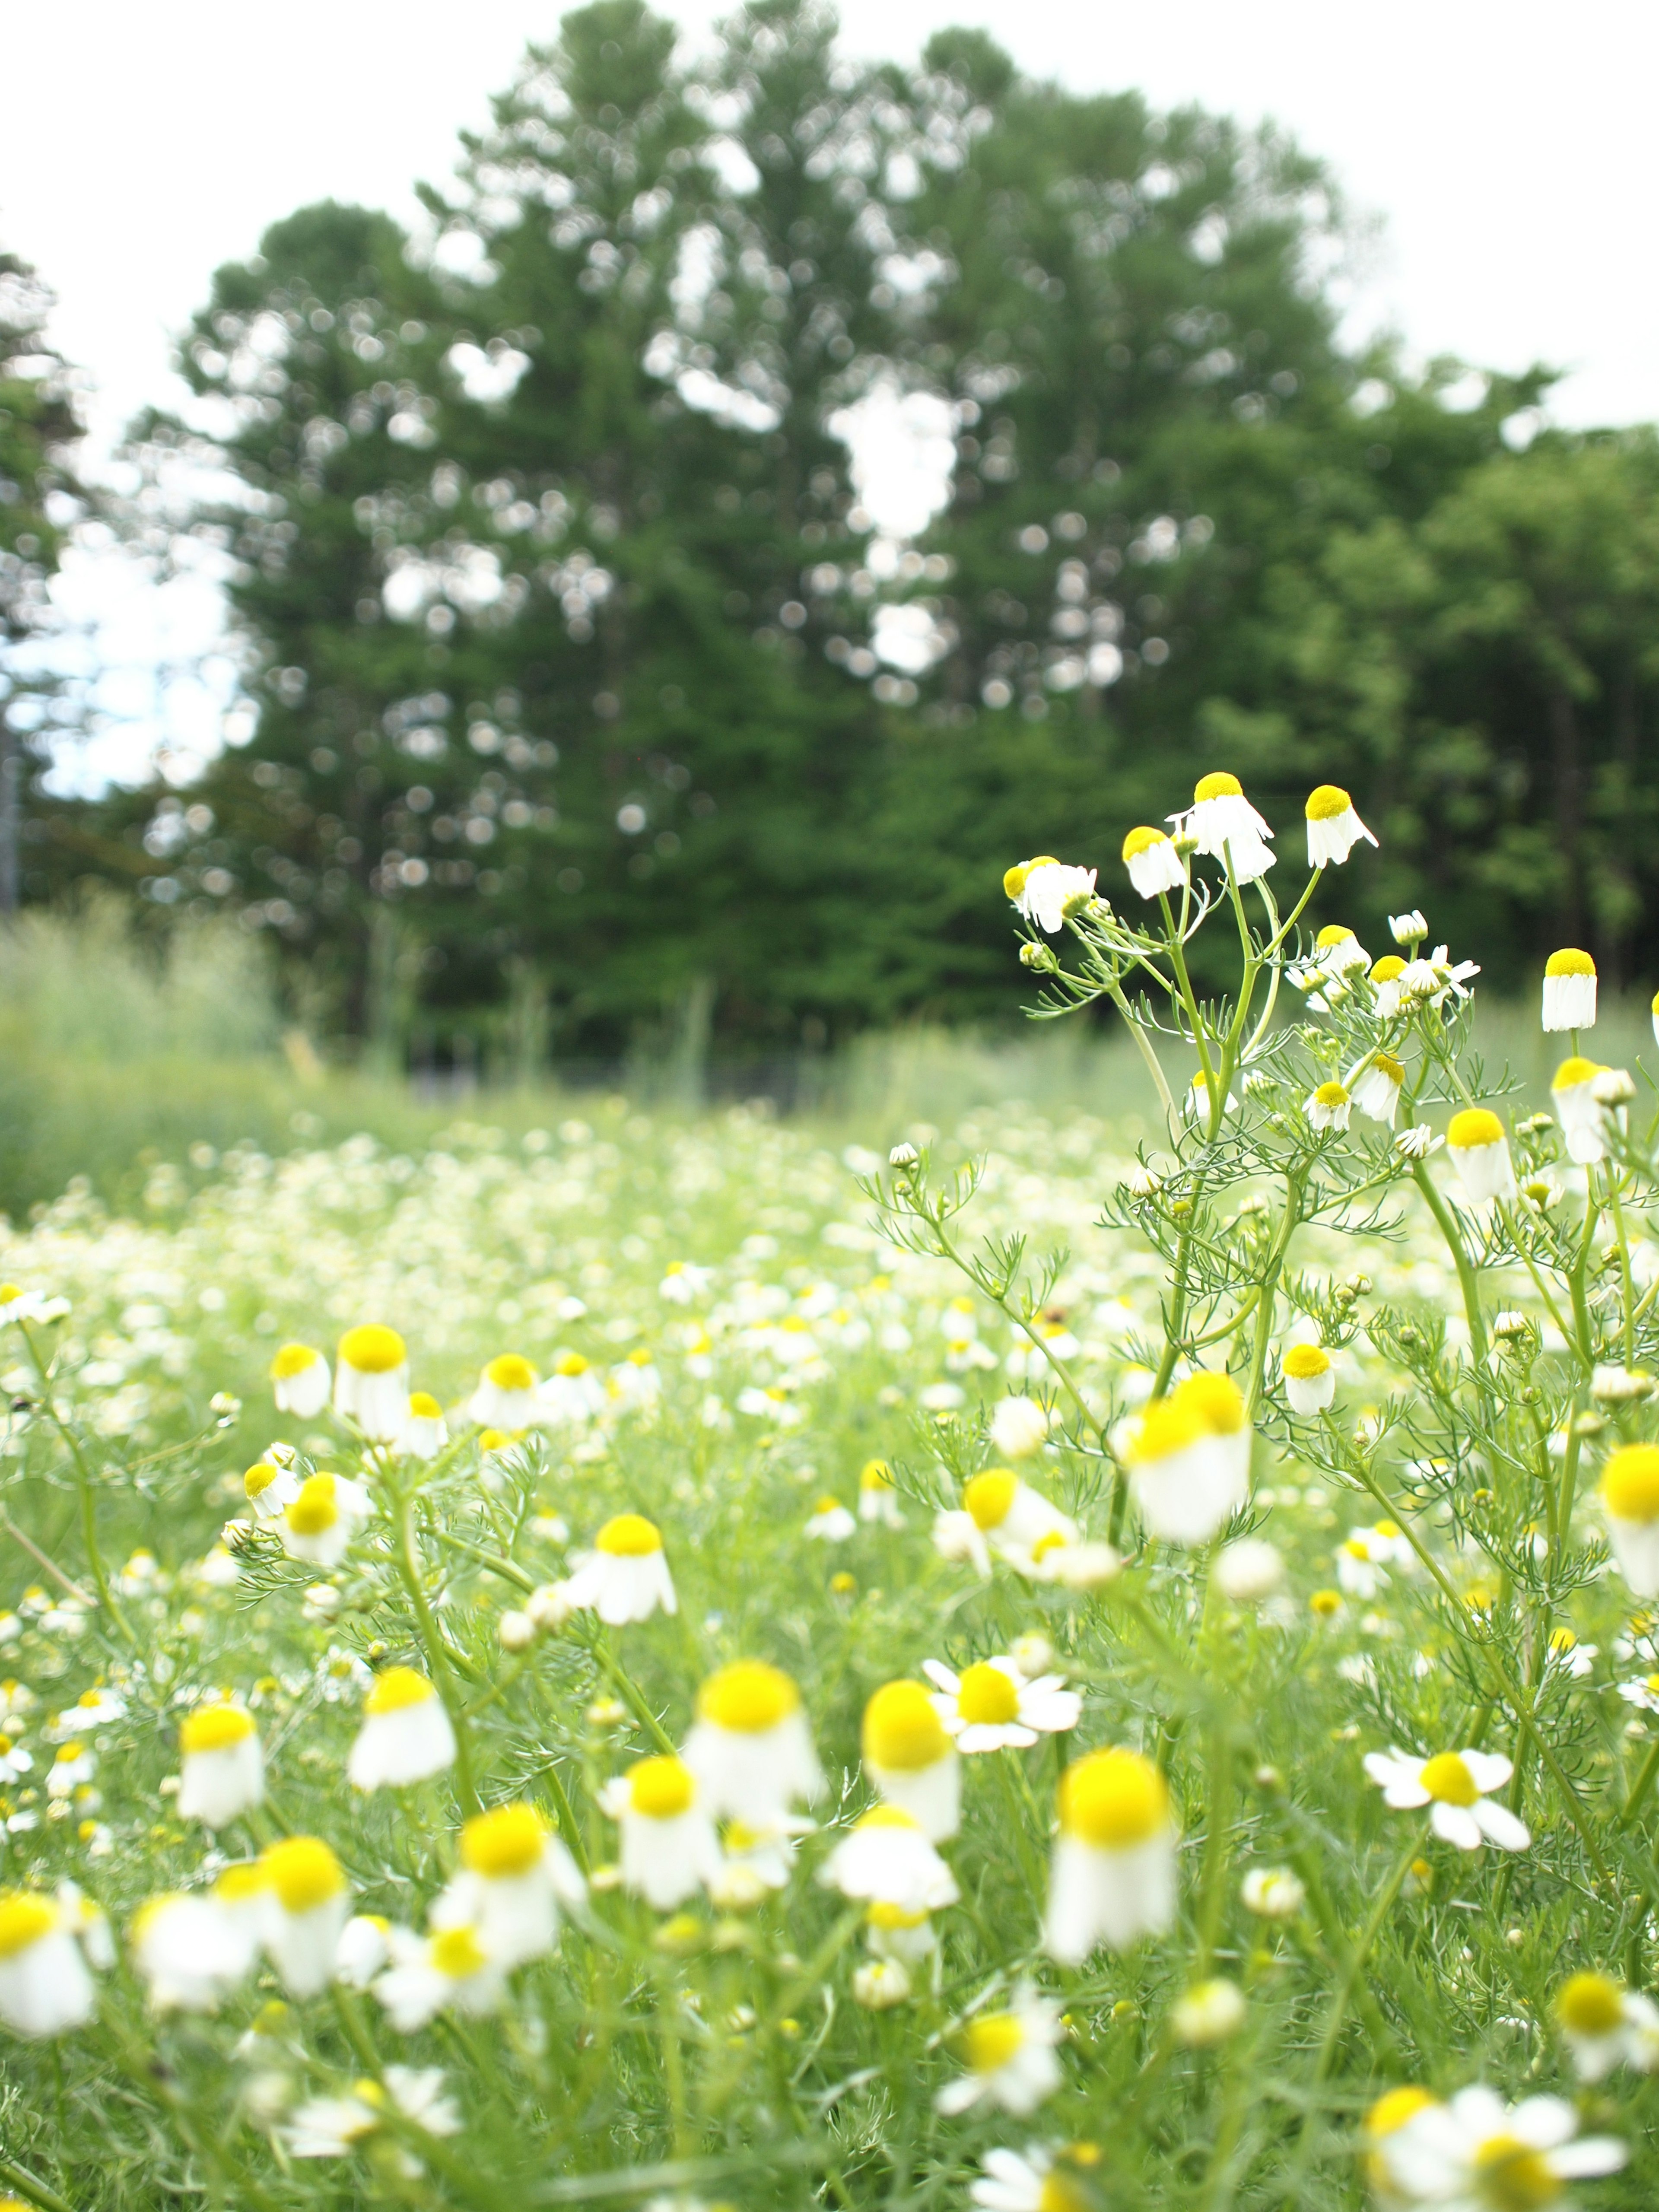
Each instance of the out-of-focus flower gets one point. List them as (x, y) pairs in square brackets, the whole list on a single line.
[(406, 1733), (877, 1496), (1249, 1571), (306, 1904), (1583, 1124), (991, 1706), (1477, 2152), (885, 1857), (45, 1987), (319, 1524), (1189, 1459), (1272, 1893), (830, 1523), (1309, 1379), (669, 1846), (1630, 1499), (425, 1431), (910, 1758), (1011, 2060), (506, 1397), (625, 1576), (371, 1381), (1208, 2013), (1606, 2026), (449, 1967), (299, 1380), (269, 1489), (221, 1768), (1113, 1873), (750, 1747), (1018, 1426), (191, 1951)]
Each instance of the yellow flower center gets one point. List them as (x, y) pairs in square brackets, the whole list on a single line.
[(986, 1697), (293, 1359), (876, 1474), (215, 1728), (459, 1954), (23, 1920), (1386, 1064), (259, 1479), (1304, 1361), (1216, 1399), (303, 1872), (509, 1840), (1576, 1072), (509, 1372), (1388, 969), (1589, 2005), (629, 1536), (316, 1508), (1393, 2110), (1331, 1094), (989, 1496), (1327, 802), (1510, 2175), (373, 1349), (1630, 1486), (661, 1788), (422, 1406), (1114, 1800), (1474, 1128), (68, 1754), (570, 1362), (902, 1731), (493, 1440), (1057, 2194), (397, 1688), (1166, 1427), (1140, 841), (9, 1291), (1219, 785), (992, 2040), (749, 1696), (883, 1914), (239, 1883), (1448, 1779), (1332, 934), (1569, 960)]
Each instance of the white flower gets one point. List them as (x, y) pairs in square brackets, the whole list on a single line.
[(572, 1393), (1018, 1426), (1154, 862), (1328, 1107), (1334, 828), (371, 1382), (750, 1748), (1189, 1459), (192, 1951), (14, 1760), (1212, 2011), (17, 1305), (1376, 1086), (1583, 1123), (1273, 1892), (878, 1497), (1567, 1656), (1476, 2153), (406, 1733), (880, 1984), (1408, 928), (1418, 1143), (506, 1397), (669, 1846), (93, 1709), (1479, 1150), (681, 1282), (1605, 2026), (305, 1905), (320, 1523), (73, 1765), (425, 1431), (330, 2127), (1222, 823), (45, 1987), (1113, 1873), (1249, 1571), (1569, 991), (333, 2127), (1016, 2181), (1630, 1498), (1364, 1558), (1010, 2058), (1309, 1379), (830, 1522), (625, 1576), (271, 1489), (991, 1706), (299, 1381), (1081, 1566), (448, 1967), (364, 1949), (1006, 1512), (221, 1769), (885, 1858), (1454, 1784), (911, 1759), (1195, 1099), (1045, 890)]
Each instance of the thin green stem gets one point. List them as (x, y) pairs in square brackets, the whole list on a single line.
[(412, 1574), (1467, 1279)]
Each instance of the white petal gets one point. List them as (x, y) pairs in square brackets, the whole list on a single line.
[(1544, 2122), (936, 1671), (1488, 1769), (1455, 1824), (1499, 1825), (1405, 1796), (1595, 2155)]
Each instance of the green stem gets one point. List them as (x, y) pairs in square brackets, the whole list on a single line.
[(1640, 1787), (412, 1574), (23, 2183), (1465, 1274), (632, 1696)]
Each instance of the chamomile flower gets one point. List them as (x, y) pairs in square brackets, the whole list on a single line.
[(1046, 891), (1011, 2060), (1408, 928), (878, 1498), (1309, 1379), (1208, 2013), (572, 1393), (1334, 828), (991, 1706), (1328, 1107), (1365, 1556), (448, 1968), (878, 1984), (506, 1397), (364, 1949), (14, 1760), (514, 1877), (1338, 953), (893, 1932), (1479, 1152), (1654, 1011), (1391, 2112), (1195, 1099), (92, 1710), (885, 1858), (910, 1758), (625, 1576), (1273, 1892), (1031, 2180), (999, 1508), (683, 1282), (1568, 1656), (669, 1846), (1569, 991), (406, 1733), (221, 1768), (1375, 1085), (321, 1521), (1189, 1459), (1018, 1426), (1630, 1499), (750, 1748), (333, 2127), (1114, 1875), (73, 1765), (1643, 1692), (1154, 862), (271, 1489), (1583, 1122), (299, 1380), (1455, 1786), (305, 1903), (1222, 823), (830, 1523), (425, 1431), (1604, 2026), (1385, 977), (1249, 1571), (191, 1951), (1476, 2153), (18, 1304), (371, 1381), (45, 1987)]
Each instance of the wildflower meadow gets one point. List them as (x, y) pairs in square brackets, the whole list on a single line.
[(1054, 1665)]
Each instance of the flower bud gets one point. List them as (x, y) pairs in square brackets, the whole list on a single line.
[(881, 1985), (902, 1157), (1209, 2012), (517, 1631)]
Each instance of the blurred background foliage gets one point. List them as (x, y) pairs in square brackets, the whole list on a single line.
[(597, 720)]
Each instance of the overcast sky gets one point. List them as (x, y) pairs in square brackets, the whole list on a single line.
[(1506, 148)]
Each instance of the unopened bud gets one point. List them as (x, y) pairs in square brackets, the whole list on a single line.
[(902, 1157), (517, 1631), (548, 1607), (1040, 956)]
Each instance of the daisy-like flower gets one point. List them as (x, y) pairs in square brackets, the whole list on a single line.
[(1630, 1498), (506, 1397), (1567, 1656), (878, 1497), (886, 1859), (93, 1709), (669, 1846), (1113, 1873), (681, 1282), (1604, 2026), (514, 1877), (1385, 977), (1036, 2179), (1222, 823), (999, 1508), (910, 1758), (1046, 891), (1419, 1143), (45, 1987), (1154, 862), (14, 1760), (1477, 2152), (269, 1489), (305, 1903), (1430, 982), (1208, 2013), (1328, 1107), (425, 1431), (1309, 1379), (1479, 1152), (1654, 1012), (448, 1968), (1583, 1123), (191, 1951), (880, 1984), (993, 1707), (364, 1949), (1249, 1571), (1018, 1426), (830, 1523), (334, 2127), (221, 1769), (625, 1576), (572, 1393), (1569, 991), (750, 1747), (1272, 1893), (1455, 1785), (1195, 1099), (1189, 1459), (1339, 952), (319, 1524), (1334, 828), (1375, 1085), (1365, 1556), (299, 1380), (892, 1932), (1010, 2056), (371, 1381), (406, 1733), (73, 1765), (17, 1305)]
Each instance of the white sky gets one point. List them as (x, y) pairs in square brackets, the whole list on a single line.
[(1506, 148)]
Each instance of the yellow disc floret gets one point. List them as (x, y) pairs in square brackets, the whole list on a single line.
[(215, 1728), (875, 1475), (986, 1697), (509, 1840), (1167, 1426), (316, 1509), (423, 1407), (902, 1731), (1112, 1800), (1143, 840), (237, 1884), (459, 1954), (748, 1697), (1569, 960), (1473, 1129), (1331, 1094), (303, 1873), (507, 1371), (293, 1359), (1394, 2108), (1386, 1064), (1448, 1780), (1511, 2176), (989, 1497), (259, 1479), (1589, 2005), (1327, 802), (570, 1362), (1305, 1361), (1630, 1484), (1332, 934), (661, 1788), (992, 2039), (1013, 881), (23, 1920), (1576, 1071), (373, 1349), (629, 1536), (1219, 785), (395, 1689), (1215, 1400)]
